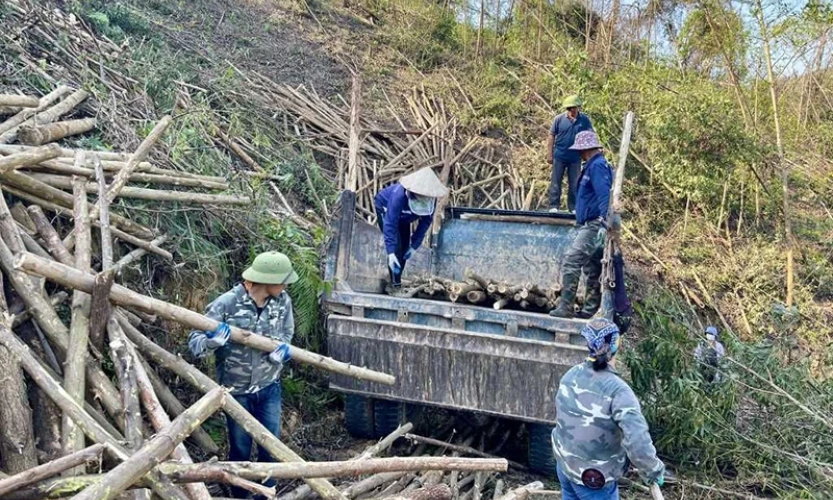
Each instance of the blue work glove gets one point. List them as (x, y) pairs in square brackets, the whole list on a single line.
[(280, 354), (410, 253), (219, 337), (393, 264), (601, 237), (660, 480)]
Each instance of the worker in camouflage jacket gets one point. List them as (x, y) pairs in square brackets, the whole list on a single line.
[(600, 427), (587, 250), (260, 305)]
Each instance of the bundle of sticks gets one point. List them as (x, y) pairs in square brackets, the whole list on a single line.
[(369, 156), (478, 290)]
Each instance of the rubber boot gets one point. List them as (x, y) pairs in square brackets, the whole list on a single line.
[(592, 302), (565, 304)]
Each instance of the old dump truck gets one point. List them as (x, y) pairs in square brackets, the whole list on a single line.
[(505, 363)]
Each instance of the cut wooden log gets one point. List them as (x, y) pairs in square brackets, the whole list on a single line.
[(500, 303), (100, 307), (157, 448), (174, 407), (30, 157), (21, 216), (371, 483), (54, 195), (433, 492), (63, 107), (35, 135), (154, 176), (136, 254), (260, 471), (498, 490), (17, 437), (50, 469), (74, 370), (232, 408), (103, 215), (127, 238), (128, 385), (9, 127), (465, 450), (20, 101), (120, 295), (62, 182), (50, 236), (160, 484), (522, 493), (476, 296), (159, 419)]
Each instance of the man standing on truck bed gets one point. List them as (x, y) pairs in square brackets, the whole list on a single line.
[(591, 211), (413, 198), (600, 426), (562, 135), (260, 305)]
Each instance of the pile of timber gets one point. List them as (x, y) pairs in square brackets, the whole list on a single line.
[(104, 421), (485, 292)]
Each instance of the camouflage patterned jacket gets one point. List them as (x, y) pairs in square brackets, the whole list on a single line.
[(600, 426), (243, 369)]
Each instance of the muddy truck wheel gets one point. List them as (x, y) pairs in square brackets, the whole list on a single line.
[(541, 459)]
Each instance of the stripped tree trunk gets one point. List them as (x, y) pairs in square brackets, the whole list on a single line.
[(50, 469), (35, 135)]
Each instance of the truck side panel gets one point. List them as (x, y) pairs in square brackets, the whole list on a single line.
[(453, 368)]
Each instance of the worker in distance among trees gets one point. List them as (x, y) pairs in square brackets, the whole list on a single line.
[(260, 305), (710, 353), (586, 252), (560, 156), (600, 428), (413, 198)]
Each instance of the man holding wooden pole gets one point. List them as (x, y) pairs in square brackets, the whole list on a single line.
[(261, 305)]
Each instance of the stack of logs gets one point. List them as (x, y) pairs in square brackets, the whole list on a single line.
[(478, 290), (105, 421)]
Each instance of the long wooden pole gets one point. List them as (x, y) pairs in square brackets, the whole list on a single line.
[(260, 471), (160, 484), (29, 157), (156, 449), (73, 278), (50, 469), (233, 409), (353, 143)]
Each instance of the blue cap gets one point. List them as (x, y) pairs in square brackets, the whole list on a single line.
[(710, 330)]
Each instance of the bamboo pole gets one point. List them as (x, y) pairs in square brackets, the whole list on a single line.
[(29, 157), (63, 182), (50, 469), (35, 135), (159, 419), (122, 296), (141, 462), (259, 471), (161, 485), (233, 409), (50, 236)]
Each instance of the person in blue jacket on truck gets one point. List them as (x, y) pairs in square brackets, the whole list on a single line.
[(413, 198)]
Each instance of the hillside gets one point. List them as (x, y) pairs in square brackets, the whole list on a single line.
[(725, 179)]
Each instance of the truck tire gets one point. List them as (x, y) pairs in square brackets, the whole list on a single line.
[(541, 459), (358, 416), (387, 415)]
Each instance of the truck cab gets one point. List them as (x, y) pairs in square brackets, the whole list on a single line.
[(505, 363)]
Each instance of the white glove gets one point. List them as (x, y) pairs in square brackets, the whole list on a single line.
[(393, 263)]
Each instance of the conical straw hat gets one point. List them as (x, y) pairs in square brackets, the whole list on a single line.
[(424, 182)]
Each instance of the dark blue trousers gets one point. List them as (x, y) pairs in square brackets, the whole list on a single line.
[(265, 406)]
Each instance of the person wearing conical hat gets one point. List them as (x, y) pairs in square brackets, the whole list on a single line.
[(260, 305), (413, 198), (586, 252), (562, 135)]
